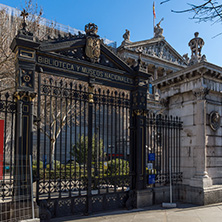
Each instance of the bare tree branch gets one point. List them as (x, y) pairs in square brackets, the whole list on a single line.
[(210, 10), (13, 23)]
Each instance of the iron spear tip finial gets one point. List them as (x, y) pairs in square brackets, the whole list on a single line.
[(24, 14)]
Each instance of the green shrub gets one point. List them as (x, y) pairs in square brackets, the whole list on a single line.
[(80, 149), (118, 167)]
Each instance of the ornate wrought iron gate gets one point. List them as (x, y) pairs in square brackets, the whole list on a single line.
[(87, 129), (83, 151)]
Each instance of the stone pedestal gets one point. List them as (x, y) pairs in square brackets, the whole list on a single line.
[(144, 198), (201, 181)]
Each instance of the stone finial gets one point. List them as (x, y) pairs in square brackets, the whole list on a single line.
[(158, 31), (196, 45)]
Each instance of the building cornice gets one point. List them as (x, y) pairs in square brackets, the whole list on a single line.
[(203, 69)]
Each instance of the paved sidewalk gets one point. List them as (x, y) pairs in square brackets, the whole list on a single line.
[(183, 213)]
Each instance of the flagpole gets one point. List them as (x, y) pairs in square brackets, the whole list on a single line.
[(153, 25), (154, 16)]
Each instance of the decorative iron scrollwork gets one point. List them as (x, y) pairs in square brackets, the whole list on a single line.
[(21, 95), (91, 100), (138, 112), (32, 96), (26, 78)]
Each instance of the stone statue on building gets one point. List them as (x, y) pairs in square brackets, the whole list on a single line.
[(196, 45), (126, 37), (158, 31)]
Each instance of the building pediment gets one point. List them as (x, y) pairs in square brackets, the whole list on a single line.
[(157, 48), (74, 46)]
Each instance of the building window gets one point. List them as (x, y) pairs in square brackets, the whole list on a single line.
[(150, 88)]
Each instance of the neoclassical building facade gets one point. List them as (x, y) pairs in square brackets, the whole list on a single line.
[(191, 88)]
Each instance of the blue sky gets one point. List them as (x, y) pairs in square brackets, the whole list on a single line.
[(114, 16)]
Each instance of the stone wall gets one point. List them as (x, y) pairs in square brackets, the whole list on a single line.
[(195, 95), (201, 146), (214, 139), (180, 105)]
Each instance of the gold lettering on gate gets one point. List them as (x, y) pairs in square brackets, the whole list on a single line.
[(81, 69)]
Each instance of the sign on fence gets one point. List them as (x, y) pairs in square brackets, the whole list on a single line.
[(150, 166), (151, 179), (151, 156), (1, 147)]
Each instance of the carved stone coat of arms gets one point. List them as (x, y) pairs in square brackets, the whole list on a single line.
[(92, 48)]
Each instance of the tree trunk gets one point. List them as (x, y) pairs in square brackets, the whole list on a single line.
[(52, 157)]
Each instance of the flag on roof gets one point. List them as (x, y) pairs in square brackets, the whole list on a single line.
[(154, 13)]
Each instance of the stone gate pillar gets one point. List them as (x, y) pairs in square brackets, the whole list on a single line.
[(139, 136), (138, 127), (138, 140), (24, 46)]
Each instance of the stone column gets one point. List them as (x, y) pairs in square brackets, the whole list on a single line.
[(164, 72), (201, 178), (155, 75)]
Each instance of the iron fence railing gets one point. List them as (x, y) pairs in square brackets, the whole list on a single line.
[(15, 180), (163, 149)]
